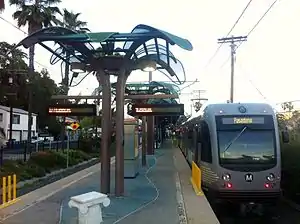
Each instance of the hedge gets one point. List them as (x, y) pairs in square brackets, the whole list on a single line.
[(41, 163), (291, 170)]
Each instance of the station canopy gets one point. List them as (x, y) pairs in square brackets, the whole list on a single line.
[(142, 43), (147, 88), (107, 50)]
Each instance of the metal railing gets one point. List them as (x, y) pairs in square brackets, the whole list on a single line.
[(19, 150)]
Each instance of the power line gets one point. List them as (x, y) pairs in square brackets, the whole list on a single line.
[(253, 28), (251, 82), (246, 75), (13, 25), (234, 25), (263, 16)]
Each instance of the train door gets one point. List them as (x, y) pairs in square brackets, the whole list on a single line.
[(205, 161), (189, 144)]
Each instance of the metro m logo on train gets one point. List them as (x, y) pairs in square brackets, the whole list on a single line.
[(249, 177)]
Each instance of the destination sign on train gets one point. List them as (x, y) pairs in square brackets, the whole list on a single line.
[(157, 109), (243, 120), (72, 110)]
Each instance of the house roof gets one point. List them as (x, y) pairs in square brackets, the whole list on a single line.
[(15, 110)]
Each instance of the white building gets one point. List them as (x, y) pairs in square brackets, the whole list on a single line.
[(20, 123)]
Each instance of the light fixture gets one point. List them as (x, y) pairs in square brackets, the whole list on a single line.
[(75, 74), (148, 66), (226, 177), (270, 177), (78, 67)]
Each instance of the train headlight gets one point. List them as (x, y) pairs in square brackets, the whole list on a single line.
[(226, 177), (271, 177)]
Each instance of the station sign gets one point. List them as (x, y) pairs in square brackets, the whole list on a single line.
[(72, 110), (243, 120), (156, 109)]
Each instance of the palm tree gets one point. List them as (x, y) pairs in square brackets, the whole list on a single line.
[(42, 13), (38, 15), (71, 21)]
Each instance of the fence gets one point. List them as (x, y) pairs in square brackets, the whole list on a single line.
[(9, 191), (196, 179), (19, 150)]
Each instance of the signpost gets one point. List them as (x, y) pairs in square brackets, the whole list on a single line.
[(72, 127), (68, 147), (156, 109)]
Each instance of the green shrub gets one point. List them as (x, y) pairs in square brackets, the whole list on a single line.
[(291, 168), (41, 163), (60, 159), (87, 145), (11, 167), (77, 154), (44, 159), (34, 170)]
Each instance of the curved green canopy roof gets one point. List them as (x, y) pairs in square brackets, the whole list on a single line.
[(143, 42), (151, 88)]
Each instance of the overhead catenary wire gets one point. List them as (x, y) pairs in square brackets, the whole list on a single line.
[(229, 32), (245, 74), (18, 28), (253, 28)]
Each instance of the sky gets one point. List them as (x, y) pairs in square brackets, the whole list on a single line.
[(266, 65)]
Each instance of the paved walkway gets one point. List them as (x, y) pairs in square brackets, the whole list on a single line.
[(164, 207), (154, 196)]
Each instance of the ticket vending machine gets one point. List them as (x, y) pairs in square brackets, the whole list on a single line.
[(132, 147)]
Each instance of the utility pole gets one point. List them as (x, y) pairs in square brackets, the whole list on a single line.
[(232, 40)]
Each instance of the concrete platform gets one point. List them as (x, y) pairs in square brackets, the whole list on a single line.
[(198, 209), (161, 193)]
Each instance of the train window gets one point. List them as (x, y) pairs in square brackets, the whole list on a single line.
[(206, 154), (190, 133)]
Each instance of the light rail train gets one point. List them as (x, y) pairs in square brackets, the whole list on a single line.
[(237, 148)]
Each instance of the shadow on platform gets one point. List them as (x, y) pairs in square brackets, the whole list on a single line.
[(139, 191)]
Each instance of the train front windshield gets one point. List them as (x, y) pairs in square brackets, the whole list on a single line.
[(246, 139)]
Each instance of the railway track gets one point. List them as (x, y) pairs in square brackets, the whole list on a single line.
[(282, 214)]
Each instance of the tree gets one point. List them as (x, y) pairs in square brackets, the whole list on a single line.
[(9, 56), (42, 13), (12, 64), (71, 21), (287, 106), (38, 15), (87, 122), (41, 85)]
